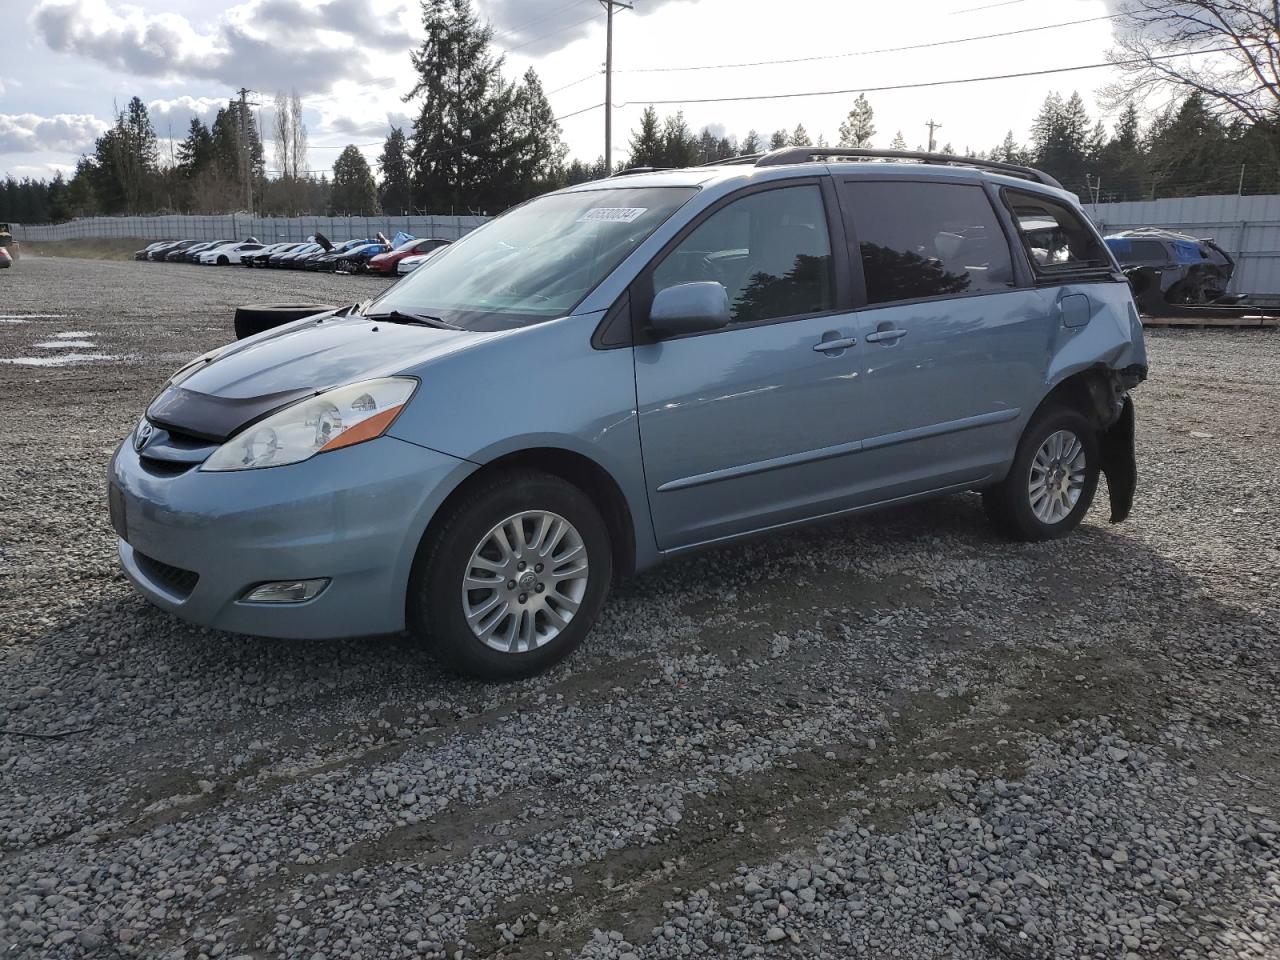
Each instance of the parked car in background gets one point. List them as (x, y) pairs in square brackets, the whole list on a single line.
[(410, 264), (651, 365), (145, 252), (162, 253), (190, 257), (175, 256), (386, 263), (330, 258), (229, 253), (285, 258), (260, 257)]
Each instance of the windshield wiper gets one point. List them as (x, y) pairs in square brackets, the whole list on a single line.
[(422, 319)]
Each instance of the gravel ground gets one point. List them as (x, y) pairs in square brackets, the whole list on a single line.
[(895, 736)]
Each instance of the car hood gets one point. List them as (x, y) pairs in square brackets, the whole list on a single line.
[(249, 379)]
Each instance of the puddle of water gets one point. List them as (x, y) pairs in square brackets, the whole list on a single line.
[(74, 334), (64, 344), (60, 360)]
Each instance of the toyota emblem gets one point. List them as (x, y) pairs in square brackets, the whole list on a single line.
[(143, 435)]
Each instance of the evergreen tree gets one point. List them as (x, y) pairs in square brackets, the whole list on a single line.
[(1060, 140), (1188, 146), (646, 142), (708, 147), (354, 192), (858, 128), (899, 142), (195, 152), (800, 137), (778, 140), (81, 201), (680, 148), (397, 186), (539, 151), (751, 144), (462, 142)]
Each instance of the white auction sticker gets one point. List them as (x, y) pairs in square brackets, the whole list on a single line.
[(612, 214)]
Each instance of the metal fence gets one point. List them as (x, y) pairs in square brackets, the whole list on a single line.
[(1246, 227), (234, 226)]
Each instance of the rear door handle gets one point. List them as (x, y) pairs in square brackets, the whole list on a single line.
[(886, 336), (841, 343)]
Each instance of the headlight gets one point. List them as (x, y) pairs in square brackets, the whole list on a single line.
[(336, 418)]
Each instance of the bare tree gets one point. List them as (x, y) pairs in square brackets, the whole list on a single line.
[(291, 148), (298, 137), (1239, 81), (284, 141)]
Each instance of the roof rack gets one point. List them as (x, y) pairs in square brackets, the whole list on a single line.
[(787, 155), (632, 171), (733, 161)]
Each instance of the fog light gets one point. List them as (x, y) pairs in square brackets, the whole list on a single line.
[(286, 591)]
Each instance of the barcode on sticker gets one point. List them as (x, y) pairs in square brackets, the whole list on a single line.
[(612, 214)]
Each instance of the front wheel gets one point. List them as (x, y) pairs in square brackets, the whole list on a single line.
[(513, 578), (1054, 476)]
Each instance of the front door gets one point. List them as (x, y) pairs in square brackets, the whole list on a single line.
[(753, 425)]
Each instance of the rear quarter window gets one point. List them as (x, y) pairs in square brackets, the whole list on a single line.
[(1057, 240)]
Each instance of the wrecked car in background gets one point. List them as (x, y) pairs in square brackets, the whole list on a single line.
[(1169, 268)]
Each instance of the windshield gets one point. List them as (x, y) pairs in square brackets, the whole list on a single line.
[(535, 262)]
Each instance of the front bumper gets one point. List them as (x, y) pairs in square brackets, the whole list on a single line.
[(194, 543)]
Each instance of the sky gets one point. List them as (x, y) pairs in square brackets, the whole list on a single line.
[(66, 65)]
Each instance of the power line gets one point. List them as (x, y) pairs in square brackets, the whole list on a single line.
[(929, 83), (871, 52)]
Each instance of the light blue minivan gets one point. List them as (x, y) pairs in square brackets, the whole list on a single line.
[(628, 370)]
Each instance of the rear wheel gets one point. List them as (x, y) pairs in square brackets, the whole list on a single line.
[(1054, 476), (513, 577), (343, 266)]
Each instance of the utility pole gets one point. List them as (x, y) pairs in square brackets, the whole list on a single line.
[(246, 160), (932, 127), (608, 81)]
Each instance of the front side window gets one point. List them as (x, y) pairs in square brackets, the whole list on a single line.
[(770, 250), (1056, 238), (919, 240), (535, 262)]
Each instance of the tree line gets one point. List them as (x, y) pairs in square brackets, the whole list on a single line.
[(479, 142)]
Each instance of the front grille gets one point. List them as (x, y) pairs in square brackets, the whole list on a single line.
[(174, 579)]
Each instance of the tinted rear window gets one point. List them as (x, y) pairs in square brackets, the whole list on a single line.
[(919, 240)]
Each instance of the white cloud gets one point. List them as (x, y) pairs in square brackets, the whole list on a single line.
[(537, 27), (63, 133), (177, 114), (267, 44)]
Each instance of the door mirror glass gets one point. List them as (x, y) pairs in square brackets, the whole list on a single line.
[(689, 308)]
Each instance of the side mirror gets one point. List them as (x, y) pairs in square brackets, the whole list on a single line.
[(689, 308)]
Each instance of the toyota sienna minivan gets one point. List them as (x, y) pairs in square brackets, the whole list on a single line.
[(628, 370)]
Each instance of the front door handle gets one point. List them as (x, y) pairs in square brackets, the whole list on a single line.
[(886, 336), (840, 343)]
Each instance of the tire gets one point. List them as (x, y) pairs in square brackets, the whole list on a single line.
[(1010, 505), (436, 604), (260, 316), (342, 266), (223, 262)]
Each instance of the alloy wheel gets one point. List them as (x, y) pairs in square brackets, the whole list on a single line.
[(525, 581), (1057, 477)]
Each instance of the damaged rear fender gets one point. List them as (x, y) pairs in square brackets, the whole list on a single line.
[(1120, 461)]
